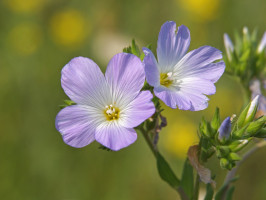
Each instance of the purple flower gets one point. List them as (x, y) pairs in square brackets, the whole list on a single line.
[(108, 107), (182, 79)]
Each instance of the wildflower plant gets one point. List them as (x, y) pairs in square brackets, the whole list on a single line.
[(114, 108)]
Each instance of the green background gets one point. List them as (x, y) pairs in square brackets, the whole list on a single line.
[(38, 37)]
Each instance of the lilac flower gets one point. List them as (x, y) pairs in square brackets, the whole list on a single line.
[(181, 79), (108, 107)]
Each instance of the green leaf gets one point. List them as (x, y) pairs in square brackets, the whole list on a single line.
[(166, 172), (187, 180), (261, 133), (135, 48), (215, 123), (229, 194), (224, 189), (67, 103), (209, 192)]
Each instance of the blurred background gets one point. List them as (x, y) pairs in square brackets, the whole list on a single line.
[(38, 37)]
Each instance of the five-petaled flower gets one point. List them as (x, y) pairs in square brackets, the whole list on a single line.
[(107, 107), (182, 79)]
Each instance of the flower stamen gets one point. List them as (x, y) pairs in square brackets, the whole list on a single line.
[(165, 79), (111, 112)]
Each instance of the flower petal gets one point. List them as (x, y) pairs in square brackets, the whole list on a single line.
[(140, 109), (171, 47), (198, 58), (197, 86), (77, 124), (172, 98), (84, 83), (125, 75), (114, 136), (151, 68), (210, 72), (188, 95)]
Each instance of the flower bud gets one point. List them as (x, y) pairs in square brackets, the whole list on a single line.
[(255, 126), (252, 109), (224, 130), (262, 43), (229, 47), (237, 145), (224, 163)]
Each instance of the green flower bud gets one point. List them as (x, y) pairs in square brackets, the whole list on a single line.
[(255, 126), (224, 163), (247, 114), (238, 145), (215, 123), (234, 156), (252, 109)]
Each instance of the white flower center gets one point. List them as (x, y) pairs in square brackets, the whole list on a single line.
[(111, 112), (169, 79)]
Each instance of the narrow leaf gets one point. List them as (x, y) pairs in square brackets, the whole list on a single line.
[(166, 172), (187, 181), (209, 192)]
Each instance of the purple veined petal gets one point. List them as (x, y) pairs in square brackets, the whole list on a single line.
[(140, 109), (188, 95), (197, 86), (77, 124), (84, 83), (171, 47), (198, 101), (114, 136), (151, 68), (125, 75), (198, 58), (210, 72), (173, 99)]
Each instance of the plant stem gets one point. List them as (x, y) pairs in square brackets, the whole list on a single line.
[(231, 174), (154, 151), (149, 142), (196, 192)]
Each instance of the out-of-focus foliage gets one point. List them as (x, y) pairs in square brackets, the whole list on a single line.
[(38, 37)]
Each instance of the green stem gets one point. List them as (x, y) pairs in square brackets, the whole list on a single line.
[(149, 142), (196, 192), (154, 151), (231, 174)]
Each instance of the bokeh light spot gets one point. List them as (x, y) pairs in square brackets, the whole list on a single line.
[(201, 10), (69, 28), (25, 6), (179, 137), (25, 38)]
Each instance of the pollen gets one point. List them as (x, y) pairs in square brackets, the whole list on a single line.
[(111, 112), (165, 79)]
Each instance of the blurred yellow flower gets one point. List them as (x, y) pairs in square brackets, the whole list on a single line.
[(25, 38), (180, 136), (202, 10), (25, 6), (69, 28)]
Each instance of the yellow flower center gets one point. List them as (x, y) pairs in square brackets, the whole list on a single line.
[(165, 79), (111, 112)]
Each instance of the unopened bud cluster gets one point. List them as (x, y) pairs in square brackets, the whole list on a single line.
[(247, 57), (227, 138)]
